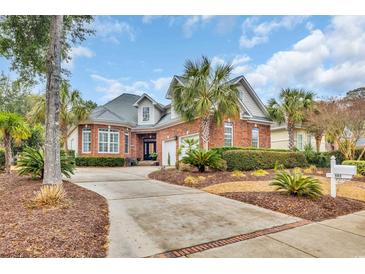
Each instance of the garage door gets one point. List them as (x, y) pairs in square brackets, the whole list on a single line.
[(183, 146), (169, 148)]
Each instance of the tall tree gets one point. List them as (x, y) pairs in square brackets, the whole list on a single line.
[(73, 109), (315, 122), (12, 127), (291, 108), (35, 46), (206, 94)]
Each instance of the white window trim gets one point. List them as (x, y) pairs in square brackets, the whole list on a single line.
[(258, 136), (149, 114), (126, 134), (224, 137), (82, 138), (297, 143), (108, 143), (188, 136)]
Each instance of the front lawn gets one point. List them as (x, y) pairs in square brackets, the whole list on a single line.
[(78, 229)]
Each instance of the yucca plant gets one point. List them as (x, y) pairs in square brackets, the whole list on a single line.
[(202, 159), (31, 161), (298, 185), (49, 196)]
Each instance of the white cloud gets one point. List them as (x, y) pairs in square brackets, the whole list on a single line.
[(77, 52), (217, 61), (329, 61), (162, 83), (147, 19), (254, 33), (112, 88), (112, 30), (239, 63), (192, 22)]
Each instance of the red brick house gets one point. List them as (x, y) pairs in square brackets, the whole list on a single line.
[(136, 125)]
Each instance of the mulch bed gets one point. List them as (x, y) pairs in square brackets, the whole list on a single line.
[(320, 209), (177, 177), (79, 230)]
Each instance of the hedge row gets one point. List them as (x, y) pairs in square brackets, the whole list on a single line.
[(322, 159), (260, 159), (359, 164), (99, 161), (2, 159), (221, 150)]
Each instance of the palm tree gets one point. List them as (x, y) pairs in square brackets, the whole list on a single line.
[(291, 109), (12, 127), (73, 109), (206, 94)]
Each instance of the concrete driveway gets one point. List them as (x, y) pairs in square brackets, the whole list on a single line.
[(149, 217)]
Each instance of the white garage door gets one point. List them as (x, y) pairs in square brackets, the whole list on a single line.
[(183, 146), (169, 148)]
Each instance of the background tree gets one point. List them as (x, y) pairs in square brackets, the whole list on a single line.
[(315, 120), (291, 108), (356, 93), (206, 94), (35, 45), (73, 109), (12, 127)]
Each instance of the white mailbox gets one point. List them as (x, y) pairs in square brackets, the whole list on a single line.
[(339, 172)]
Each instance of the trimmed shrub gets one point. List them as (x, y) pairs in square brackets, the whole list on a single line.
[(100, 161), (221, 150), (322, 159), (259, 173), (359, 164), (256, 159), (2, 159)]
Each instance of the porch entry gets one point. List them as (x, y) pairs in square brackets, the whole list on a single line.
[(149, 147)]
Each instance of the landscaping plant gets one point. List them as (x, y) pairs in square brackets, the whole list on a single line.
[(202, 159), (100, 161), (298, 185), (237, 173), (193, 180), (49, 196), (259, 173), (31, 161)]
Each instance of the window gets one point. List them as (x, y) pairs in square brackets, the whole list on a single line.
[(255, 137), (309, 139), (126, 142), (86, 140), (108, 140), (300, 141), (228, 134), (146, 113)]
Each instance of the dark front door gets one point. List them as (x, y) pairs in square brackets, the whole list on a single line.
[(149, 147)]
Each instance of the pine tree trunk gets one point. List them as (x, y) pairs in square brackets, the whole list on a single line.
[(8, 156), (204, 129), (291, 135), (52, 161)]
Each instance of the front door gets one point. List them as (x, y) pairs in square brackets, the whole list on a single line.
[(149, 147)]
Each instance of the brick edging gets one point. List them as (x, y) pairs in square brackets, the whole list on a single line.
[(230, 240)]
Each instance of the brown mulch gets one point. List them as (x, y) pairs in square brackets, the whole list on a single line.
[(320, 209), (78, 230), (177, 177)]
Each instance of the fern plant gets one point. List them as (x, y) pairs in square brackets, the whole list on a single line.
[(298, 185), (31, 161)]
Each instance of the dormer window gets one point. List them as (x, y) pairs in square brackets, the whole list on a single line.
[(146, 113)]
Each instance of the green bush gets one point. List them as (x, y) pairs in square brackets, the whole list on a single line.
[(201, 159), (298, 185), (359, 164), (221, 150), (261, 159), (31, 161), (2, 159), (100, 161), (322, 159)]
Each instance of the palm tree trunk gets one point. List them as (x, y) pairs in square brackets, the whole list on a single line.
[(8, 156), (52, 161), (204, 129), (318, 142), (291, 135), (64, 135)]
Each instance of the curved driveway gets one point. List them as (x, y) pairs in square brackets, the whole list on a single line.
[(148, 217)]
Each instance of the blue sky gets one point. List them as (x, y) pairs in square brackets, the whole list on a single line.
[(139, 54)]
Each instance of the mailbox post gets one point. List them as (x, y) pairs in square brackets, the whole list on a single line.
[(333, 177)]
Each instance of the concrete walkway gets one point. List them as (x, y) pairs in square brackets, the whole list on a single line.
[(149, 217)]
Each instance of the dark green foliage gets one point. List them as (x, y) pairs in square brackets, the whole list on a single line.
[(202, 159), (260, 159), (298, 185), (359, 164), (220, 150), (322, 159), (31, 161), (2, 159), (99, 161)]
